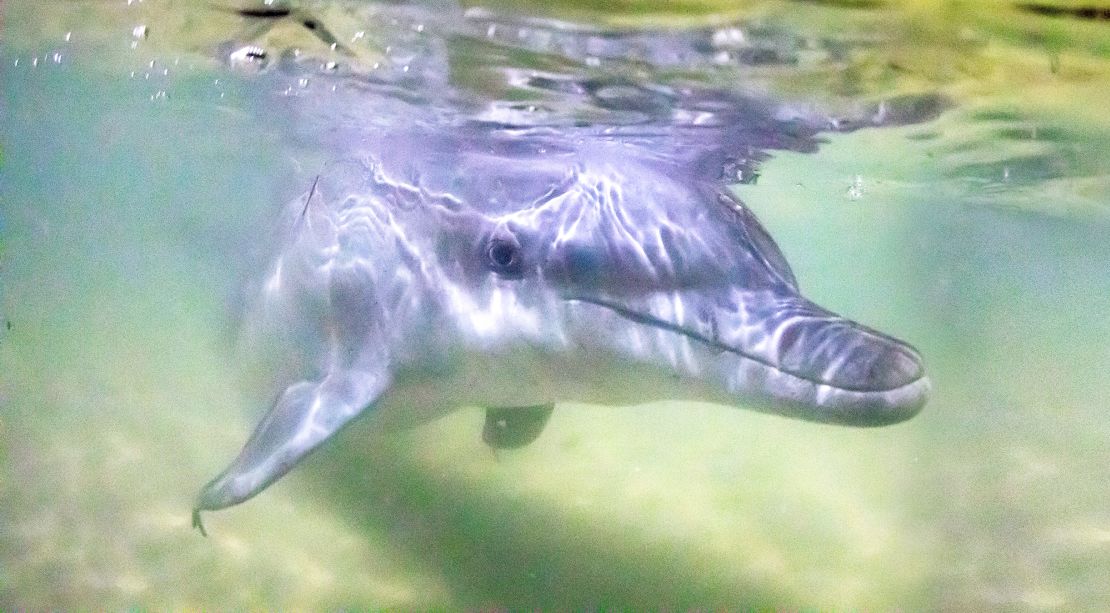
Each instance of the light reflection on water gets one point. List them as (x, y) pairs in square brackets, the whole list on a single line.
[(130, 223)]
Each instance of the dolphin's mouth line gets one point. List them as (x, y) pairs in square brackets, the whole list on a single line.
[(655, 322)]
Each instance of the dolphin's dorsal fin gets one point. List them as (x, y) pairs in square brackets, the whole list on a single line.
[(514, 427)]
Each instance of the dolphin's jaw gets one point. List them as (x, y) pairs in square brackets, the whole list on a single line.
[(748, 376), (792, 396)]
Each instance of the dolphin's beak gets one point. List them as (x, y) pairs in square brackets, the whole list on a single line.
[(778, 352), (844, 372), (814, 364)]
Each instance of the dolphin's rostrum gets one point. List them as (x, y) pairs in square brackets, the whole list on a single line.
[(467, 262)]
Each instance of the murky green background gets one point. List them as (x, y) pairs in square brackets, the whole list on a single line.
[(129, 221)]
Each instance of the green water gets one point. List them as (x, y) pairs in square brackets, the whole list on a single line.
[(128, 225)]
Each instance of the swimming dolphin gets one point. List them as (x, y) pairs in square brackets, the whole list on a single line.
[(505, 269), (448, 261)]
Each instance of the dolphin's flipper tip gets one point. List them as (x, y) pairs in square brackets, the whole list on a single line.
[(198, 524)]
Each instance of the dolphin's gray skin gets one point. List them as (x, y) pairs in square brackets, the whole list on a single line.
[(443, 263)]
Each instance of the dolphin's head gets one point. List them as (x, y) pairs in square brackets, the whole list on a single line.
[(596, 250)]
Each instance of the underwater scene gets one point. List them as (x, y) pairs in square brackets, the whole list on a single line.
[(288, 289)]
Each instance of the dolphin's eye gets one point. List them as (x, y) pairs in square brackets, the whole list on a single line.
[(503, 255)]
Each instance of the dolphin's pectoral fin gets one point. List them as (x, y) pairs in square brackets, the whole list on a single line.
[(513, 427), (306, 415)]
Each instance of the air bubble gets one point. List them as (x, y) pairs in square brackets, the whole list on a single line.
[(730, 38), (855, 191), (249, 55)]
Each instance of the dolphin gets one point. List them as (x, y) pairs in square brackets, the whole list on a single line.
[(447, 261)]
